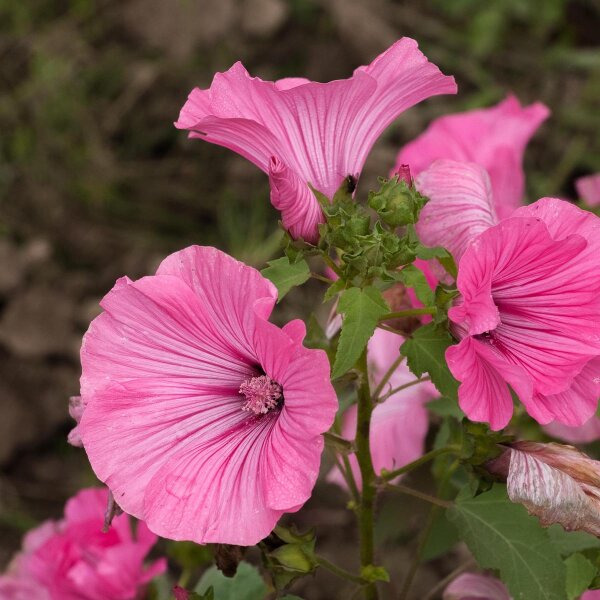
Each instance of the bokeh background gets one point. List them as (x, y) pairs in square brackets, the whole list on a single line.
[(95, 182)]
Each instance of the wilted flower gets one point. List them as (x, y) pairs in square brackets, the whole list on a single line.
[(400, 423), (73, 559), (203, 418), (301, 132), (494, 138), (476, 586), (556, 483)]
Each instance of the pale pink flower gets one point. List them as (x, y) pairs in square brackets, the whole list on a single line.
[(76, 408), (301, 132), (400, 423), (588, 189), (476, 586), (591, 595), (494, 138), (529, 316), (72, 559), (556, 483), (584, 434), (202, 417)]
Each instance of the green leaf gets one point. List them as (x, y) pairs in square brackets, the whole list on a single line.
[(580, 573), (285, 275), (247, 584), (425, 352), (568, 542), (501, 535), (333, 289), (362, 309), (290, 597), (445, 407), (442, 539), (414, 278)]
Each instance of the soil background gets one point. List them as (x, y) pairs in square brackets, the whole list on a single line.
[(95, 182)]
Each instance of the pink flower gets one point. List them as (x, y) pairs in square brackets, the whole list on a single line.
[(73, 559), (494, 138), (588, 189), (476, 586), (584, 434), (400, 423), (76, 409), (203, 418), (529, 316), (302, 132)]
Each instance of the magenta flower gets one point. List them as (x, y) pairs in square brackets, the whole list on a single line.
[(203, 418), (302, 132), (529, 316), (476, 586), (588, 189), (399, 424), (494, 138), (73, 559)]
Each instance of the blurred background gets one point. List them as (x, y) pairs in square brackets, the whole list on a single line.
[(95, 182)]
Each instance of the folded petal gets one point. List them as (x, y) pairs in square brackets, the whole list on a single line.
[(484, 375), (460, 205), (494, 138), (588, 189)]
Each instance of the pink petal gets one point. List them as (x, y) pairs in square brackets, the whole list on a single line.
[(588, 189), (494, 138), (322, 132), (483, 393), (460, 205), (476, 586)]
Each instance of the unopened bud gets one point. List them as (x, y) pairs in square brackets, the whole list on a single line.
[(403, 174)]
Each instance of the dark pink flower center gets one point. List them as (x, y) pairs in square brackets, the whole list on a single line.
[(262, 394)]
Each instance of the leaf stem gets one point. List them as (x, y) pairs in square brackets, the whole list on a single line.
[(403, 489), (339, 571), (369, 490), (387, 376), (389, 475), (331, 264), (450, 577), (409, 312), (400, 388), (322, 278)]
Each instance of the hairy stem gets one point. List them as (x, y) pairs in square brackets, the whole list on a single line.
[(400, 388), (387, 376), (369, 490)]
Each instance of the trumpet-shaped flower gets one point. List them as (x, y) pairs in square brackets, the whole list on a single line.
[(202, 417), (301, 132), (400, 423), (494, 138), (73, 559)]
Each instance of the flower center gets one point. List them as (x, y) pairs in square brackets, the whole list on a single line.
[(262, 394)]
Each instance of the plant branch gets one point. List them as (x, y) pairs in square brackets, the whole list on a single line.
[(403, 489), (369, 490), (387, 376), (409, 312), (400, 388), (389, 475), (339, 571)]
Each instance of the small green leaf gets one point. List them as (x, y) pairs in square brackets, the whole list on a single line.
[(414, 278), (285, 275), (333, 289), (502, 536), (580, 573), (362, 309), (425, 352), (247, 584), (372, 574)]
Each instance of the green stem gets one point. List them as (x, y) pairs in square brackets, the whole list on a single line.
[(331, 264), (369, 490), (387, 376), (409, 312), (322, 278), (403, 489), (401, 387), (346, 471), (333, 568), (389, 475)]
